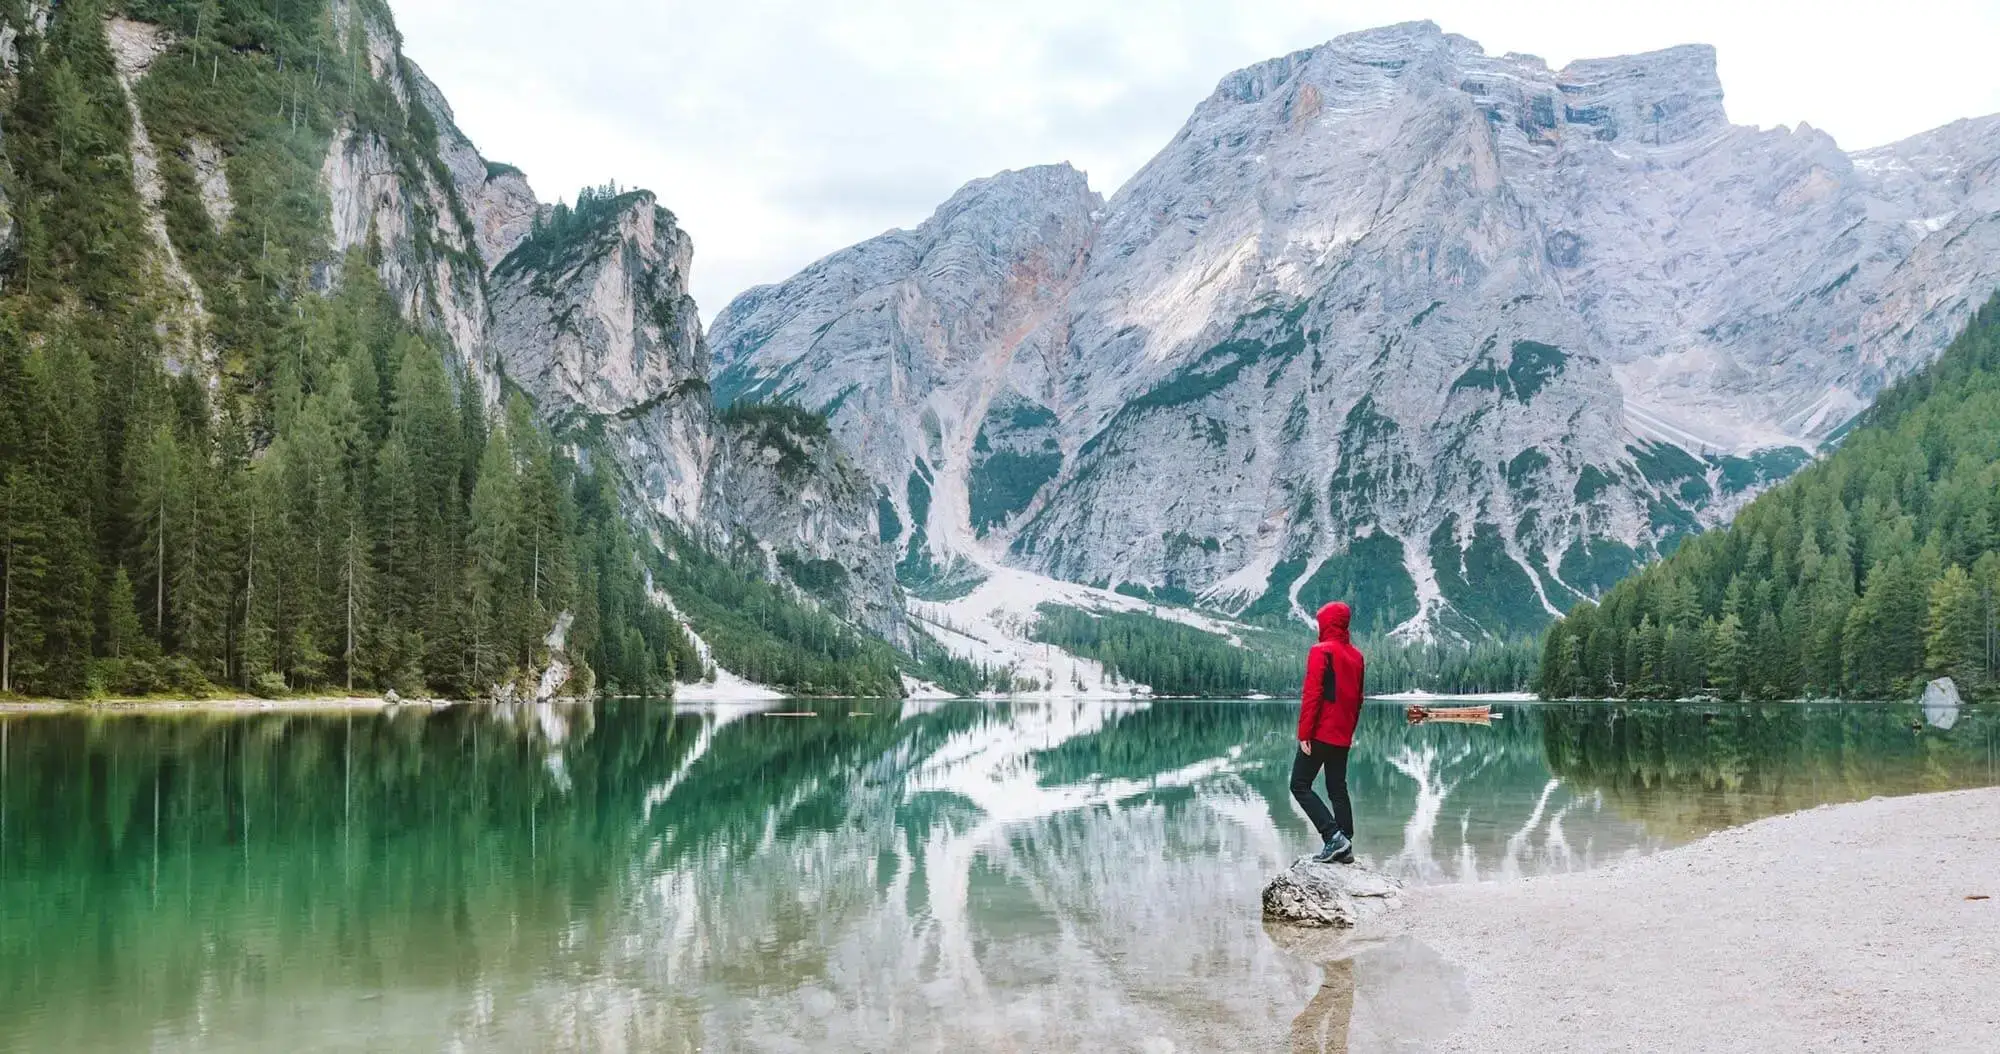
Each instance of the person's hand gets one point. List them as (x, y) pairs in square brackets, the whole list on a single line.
[(1306, 747)]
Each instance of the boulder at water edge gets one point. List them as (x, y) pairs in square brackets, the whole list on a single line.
[(1336, 895), (1941, 703)]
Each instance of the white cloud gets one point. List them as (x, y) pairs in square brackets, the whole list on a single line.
[(782, 130)]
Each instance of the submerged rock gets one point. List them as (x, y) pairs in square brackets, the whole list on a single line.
[(1335, 895)]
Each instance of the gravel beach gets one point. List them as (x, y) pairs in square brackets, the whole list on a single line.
[(1850, 927)]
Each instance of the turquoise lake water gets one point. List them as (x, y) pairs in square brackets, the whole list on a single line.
[(880, 876)]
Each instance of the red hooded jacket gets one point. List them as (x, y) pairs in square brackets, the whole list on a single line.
[(1330, 706)]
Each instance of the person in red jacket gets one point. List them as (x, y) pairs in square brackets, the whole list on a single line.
[(1329, 708)]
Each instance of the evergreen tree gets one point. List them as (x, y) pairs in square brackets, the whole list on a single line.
[(1767, 670), (399, 536), (201, 584), (1864, 575), (1986, 577), (264, 553), (1885, 634), (1558, 671), (1955, 635), (157, 497), (1726, 671), (493, 575), (51, 571), (354, 587), (25, 516), (1652, 646), (124, 635), (20, 513), (296, 509)]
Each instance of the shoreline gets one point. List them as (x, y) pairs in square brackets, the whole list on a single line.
[(1841, 927), (699, 695), (1420, 696), (222, 705)]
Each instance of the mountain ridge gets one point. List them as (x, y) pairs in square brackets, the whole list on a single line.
[(1391, 314), (606, 335)]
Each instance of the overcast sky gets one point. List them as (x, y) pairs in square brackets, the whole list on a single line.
[(782, 130)]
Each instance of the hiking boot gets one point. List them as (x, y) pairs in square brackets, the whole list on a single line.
[(1337, 850)]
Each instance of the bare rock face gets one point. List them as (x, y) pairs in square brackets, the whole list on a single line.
[(1944, 185), (598, 320), (935, 352), (212, 176), (1460, 337), (594, 323), (1330, 895), (501, 206), (790, 488), (184, 322), (397, 206)]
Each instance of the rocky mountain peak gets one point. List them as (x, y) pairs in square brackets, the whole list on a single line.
[(1659, 98), (1939, 171), (586, 310), (1357, 68), (1056, 187), (1457, 334), (592, 310), (1390, 51)]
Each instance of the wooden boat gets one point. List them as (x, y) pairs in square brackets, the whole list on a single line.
[(1470, 715)]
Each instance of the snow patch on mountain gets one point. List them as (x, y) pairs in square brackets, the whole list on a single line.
[(994, 625), (711, 683)]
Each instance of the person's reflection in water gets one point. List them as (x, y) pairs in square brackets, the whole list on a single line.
[(1322, 1026)]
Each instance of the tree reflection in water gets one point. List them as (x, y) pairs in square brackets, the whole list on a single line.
[(964, 875)]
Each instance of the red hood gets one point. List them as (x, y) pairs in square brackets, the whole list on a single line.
[(1333, 622)]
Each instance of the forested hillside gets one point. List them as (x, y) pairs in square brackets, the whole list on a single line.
[(1869, 573), (227, 459)]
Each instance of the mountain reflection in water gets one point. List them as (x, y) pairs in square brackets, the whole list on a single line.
[(930, 876)]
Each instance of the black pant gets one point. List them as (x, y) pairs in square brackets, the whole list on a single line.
[(1304, 768)]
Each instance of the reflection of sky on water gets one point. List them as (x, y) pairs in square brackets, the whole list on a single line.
[(950, 876), (969, 904), (975, 902)]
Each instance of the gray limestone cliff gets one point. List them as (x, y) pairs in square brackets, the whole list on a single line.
[(588, 314), (933, 351), (1460, 337)]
